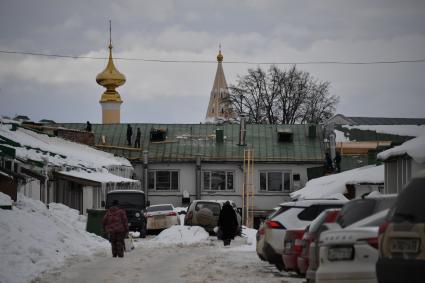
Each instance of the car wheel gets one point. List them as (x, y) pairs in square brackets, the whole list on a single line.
[(280, 266)]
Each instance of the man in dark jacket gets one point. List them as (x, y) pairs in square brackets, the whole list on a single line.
[(227, 223), (137, 141), (129, 134), (115, 223)]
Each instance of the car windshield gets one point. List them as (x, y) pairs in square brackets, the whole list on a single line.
[(126, 199), (214, 207), (165, 207), (410, 203)]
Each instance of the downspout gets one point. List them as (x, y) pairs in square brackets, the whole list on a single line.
[(145, 174), (198, 176)]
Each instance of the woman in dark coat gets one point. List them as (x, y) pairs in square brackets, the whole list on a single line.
[(227, 223)]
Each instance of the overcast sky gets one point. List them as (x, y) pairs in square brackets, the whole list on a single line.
[(65, 90)]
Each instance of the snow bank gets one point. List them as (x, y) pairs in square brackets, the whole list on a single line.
[(415, 148), (181, 235), (34, 239), (5, 200), (401, 130), (331, 185)]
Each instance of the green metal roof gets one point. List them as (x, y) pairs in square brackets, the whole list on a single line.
[(185, 141)]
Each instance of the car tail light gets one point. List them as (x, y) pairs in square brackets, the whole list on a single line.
[(261, 231), (172, 214), (274, 224), (298, 246), (374, 242), (189, 216), (383, 227), (332, 216)]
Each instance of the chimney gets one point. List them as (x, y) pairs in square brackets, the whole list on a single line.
[(242, 130)]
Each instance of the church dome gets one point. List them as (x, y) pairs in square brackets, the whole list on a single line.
[(110, 77)]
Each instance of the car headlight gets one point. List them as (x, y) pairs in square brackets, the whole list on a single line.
[(137, 214)]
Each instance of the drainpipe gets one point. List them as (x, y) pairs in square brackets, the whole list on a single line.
[(145, 174), (198, 176), (242, 130)]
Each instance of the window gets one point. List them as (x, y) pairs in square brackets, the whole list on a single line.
[(217, 180), (163, 180), (275, 181)]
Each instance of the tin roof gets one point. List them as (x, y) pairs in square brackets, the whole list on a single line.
[(186, 141)]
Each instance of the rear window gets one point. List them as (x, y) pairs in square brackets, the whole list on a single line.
[(159, 208), (311, 212), (214, 207), (355, 210), (410, 205)]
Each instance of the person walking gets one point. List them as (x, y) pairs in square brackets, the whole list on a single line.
[(115, 223), (337, 160), (137, 141), (129, 134), (88, 126), (227, 223)]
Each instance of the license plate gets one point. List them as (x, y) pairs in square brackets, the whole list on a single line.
[(340, 253), (404, 245)]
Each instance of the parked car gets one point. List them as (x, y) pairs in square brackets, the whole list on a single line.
[(402, 237), (205, 213), (292, 248), (161, 216), (260, 236), (133, 202), (296, 214), (350, 254), (311, 236)]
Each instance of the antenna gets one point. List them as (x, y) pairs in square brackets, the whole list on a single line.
[(110, 33)]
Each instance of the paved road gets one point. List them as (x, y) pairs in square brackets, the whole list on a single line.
[(206, 262)]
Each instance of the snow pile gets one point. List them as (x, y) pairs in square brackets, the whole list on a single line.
[(400, 130), (415, 148), (5, 200), (34, 239), (181, 235), (331, 185)]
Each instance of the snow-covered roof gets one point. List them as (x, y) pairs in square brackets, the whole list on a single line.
[(328, 186), (400, 130), (57, 151), (415, 148), (100, 176)]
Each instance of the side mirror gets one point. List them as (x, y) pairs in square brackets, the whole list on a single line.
[(102, 204), (239, 209), (148, 203)]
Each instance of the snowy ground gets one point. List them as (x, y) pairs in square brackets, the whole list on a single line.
[(152, 261), (50, 245)]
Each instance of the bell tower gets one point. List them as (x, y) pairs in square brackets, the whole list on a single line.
[(110, 78)]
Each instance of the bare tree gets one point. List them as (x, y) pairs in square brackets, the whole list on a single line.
[(282, 96)]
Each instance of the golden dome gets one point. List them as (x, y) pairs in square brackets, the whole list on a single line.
[(219, 56), (110, 78)]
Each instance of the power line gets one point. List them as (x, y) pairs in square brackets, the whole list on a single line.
[(211, 61)]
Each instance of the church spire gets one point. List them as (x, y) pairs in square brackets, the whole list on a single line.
[(219, 106), (110, 78)]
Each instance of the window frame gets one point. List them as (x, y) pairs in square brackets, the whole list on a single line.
[(226, 181), (170, 189), (282, 190)]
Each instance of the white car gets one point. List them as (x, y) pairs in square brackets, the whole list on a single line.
[(161, 216), (291, 215), (350, 254)]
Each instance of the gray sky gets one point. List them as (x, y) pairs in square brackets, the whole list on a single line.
[(65, 90)]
